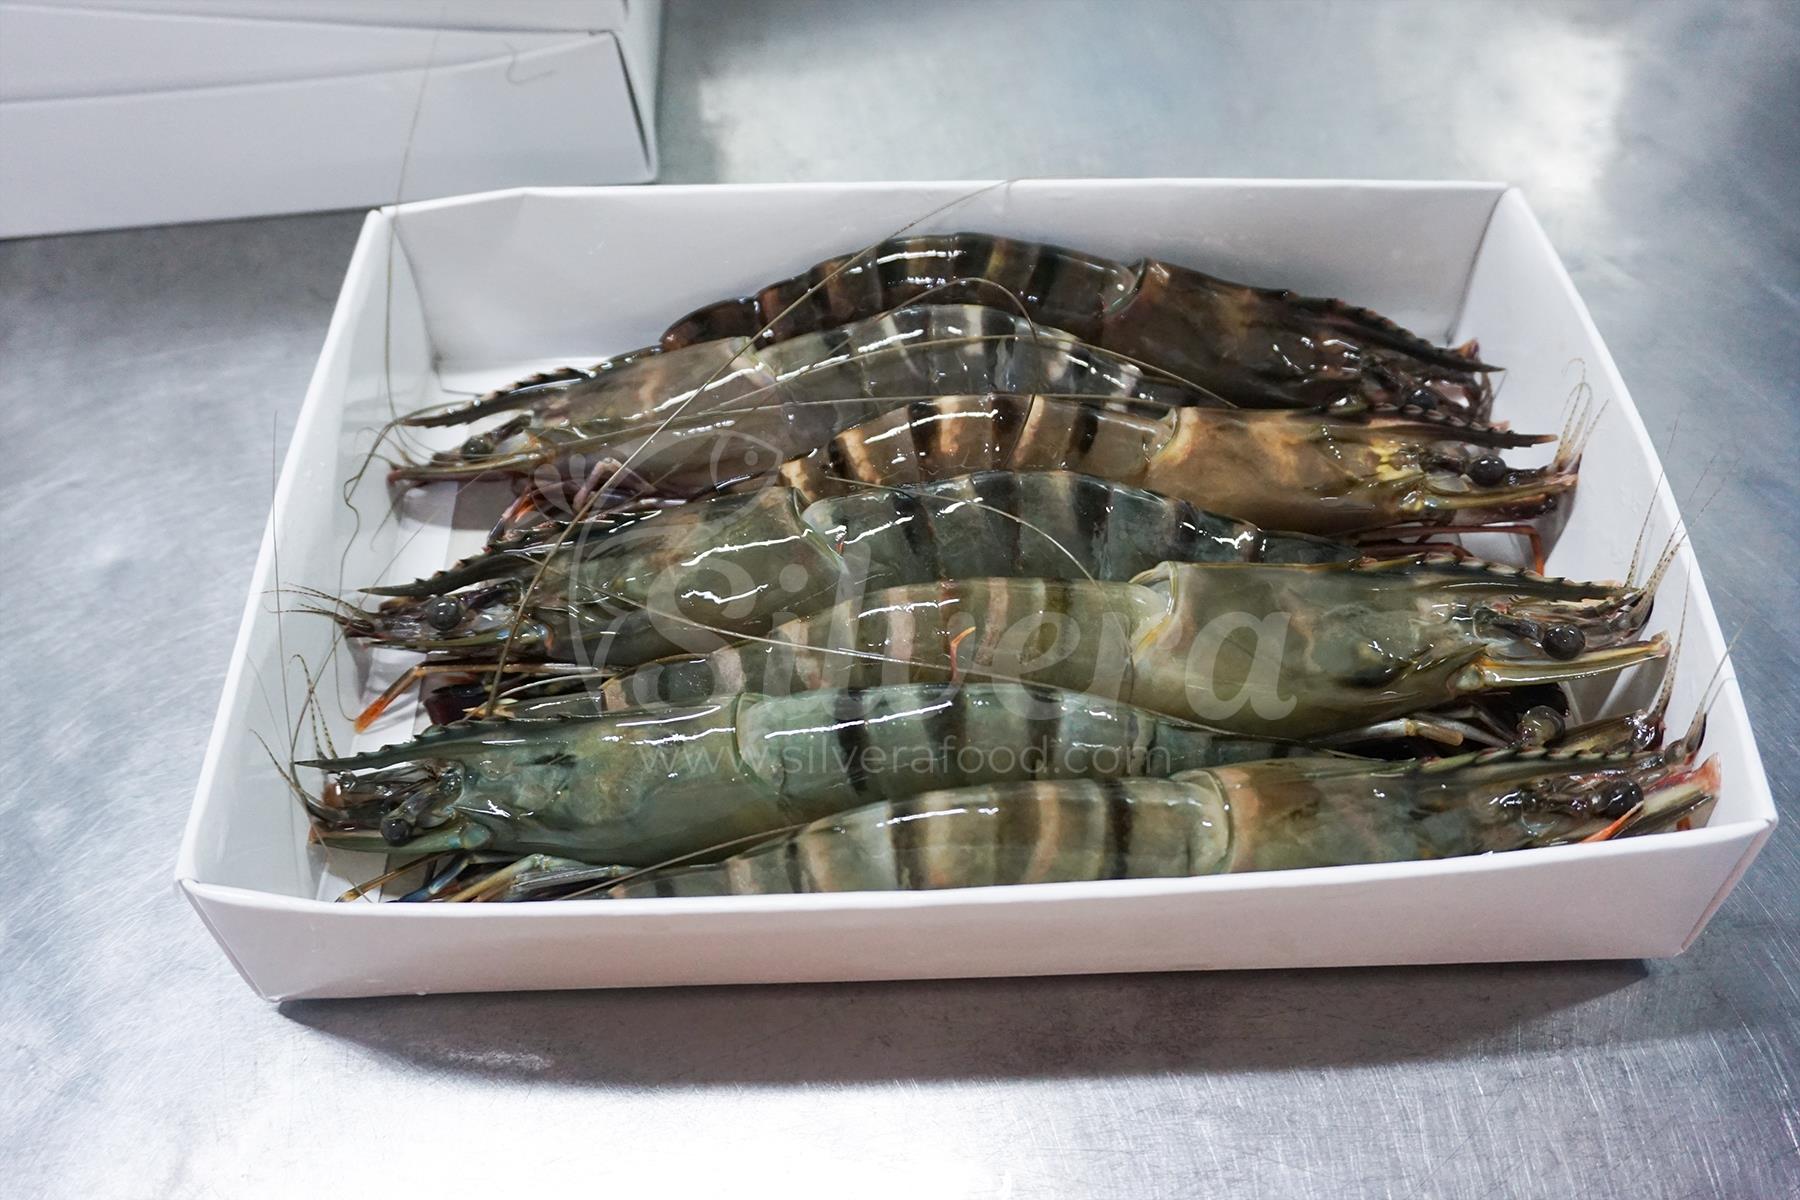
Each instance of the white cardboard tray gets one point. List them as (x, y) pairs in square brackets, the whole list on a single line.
[(140, 112), (469, 292)]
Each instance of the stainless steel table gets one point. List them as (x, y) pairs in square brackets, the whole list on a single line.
[(147, 383)]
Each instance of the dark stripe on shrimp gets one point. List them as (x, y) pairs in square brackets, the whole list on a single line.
[(727, 318), (1009, 413), (1087, 427), (998, 491), (1118, 824), (976, 258), (1044, 738), (837, 460), (790, 859), (915, 527), (834, 341), (850, 717), (1091, 504), (946, 725), (926, 430), (903, 842), (897, 274), (840, 284), (1042, 279)]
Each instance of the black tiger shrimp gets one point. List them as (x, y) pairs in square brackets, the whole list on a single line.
[(1323, 475), (640, 585), (1319, 474), (635, 787), (1264, 650), (672, 427), (670, 415), (1254, 347), (1258, 347), (1259, 815)]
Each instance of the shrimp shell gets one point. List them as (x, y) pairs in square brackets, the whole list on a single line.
[(649, 409), (732, 565), (1317, 474), (1258, 816), (1258, 347), (1261, 650), (636, 787)]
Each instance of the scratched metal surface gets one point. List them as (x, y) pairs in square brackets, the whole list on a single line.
[(148, 379)]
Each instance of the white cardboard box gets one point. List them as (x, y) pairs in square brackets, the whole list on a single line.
[(140, 112), (484, 288)]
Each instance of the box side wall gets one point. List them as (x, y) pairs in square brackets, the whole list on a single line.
[(548, 15), (606, 270), (1756, 843), (640, 44), (323, 143), (124, 53), (1549, 908), (248, 830), (1530, 319)]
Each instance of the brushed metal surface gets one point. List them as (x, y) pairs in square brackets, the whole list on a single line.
[(148, 381)]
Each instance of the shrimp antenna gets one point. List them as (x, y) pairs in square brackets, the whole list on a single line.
[(1495, 388), (1573, 445), (1716, 682), (361, 891), (1662, 472), (1678, 537), (310, 711), (387, 310), (1667, 689), (1710, 496), (1578, 399), (307, 708), (412, 130), (286, 774), (1709, 695)]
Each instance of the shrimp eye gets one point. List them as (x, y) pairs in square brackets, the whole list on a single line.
[(1488, 470), (479, 446), (1422, 397), (1540, 725), (1618, 799), (396, 830), (443, 613), (1563, 641)]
